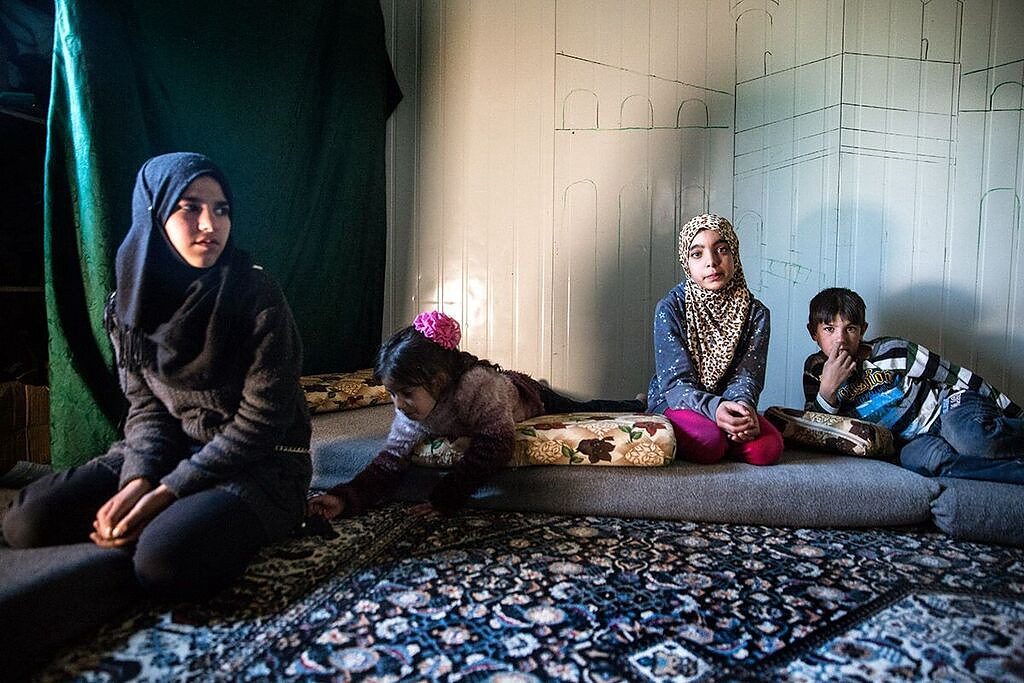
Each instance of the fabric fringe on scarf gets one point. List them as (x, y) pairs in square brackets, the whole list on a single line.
[(133, 350)]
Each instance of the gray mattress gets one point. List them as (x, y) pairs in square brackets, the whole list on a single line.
[(804, 490)]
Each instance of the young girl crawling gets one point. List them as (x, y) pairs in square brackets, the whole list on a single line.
[(441, 391)]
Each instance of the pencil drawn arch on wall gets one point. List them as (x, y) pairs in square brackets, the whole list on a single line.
[(998, 223), (573, 276), (995, 203), (635, 193), (999, 216), (579, 207), (693, 201), (693, 113), (936, 14), (632, 285), (749, 227), (580, 110), (636, 111), (634, 210), (736, 6), (754, 31), (574, 188), (1007, 96)]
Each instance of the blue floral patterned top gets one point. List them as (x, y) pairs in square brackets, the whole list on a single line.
[(676, 382)]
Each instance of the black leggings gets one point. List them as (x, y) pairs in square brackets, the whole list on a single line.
[(555, 402), (192, 549)]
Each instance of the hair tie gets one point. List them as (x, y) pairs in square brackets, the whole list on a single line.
[(439, 328)]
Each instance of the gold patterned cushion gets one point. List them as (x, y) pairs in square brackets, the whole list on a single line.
[(623, 439), (822, 431), (330, 392)]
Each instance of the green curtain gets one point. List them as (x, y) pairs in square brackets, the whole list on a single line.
[(290, 99)]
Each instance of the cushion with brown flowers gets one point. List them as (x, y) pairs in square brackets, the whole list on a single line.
[(833, 433), (330, 392), (612, 439)]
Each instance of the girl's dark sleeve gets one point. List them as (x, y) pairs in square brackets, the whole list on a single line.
[(382, 475), (487, 407), (153, 439)]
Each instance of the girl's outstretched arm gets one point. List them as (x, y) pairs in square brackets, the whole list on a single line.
[(326, 505), (487, 453), (485, 402), (382, 475)]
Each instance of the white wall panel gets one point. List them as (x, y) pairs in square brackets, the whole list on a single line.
[(650, 153), (402, 31), (548, 151), (471, 229), (420, 287), (1006, 30)]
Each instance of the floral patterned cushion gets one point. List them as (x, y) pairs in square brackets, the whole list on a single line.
[(625, 439), (343, 391), (822, 431)]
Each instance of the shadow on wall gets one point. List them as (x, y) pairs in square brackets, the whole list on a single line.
[(775, 270), (919, 317), (636, 290), (916, 313), (615, 357)]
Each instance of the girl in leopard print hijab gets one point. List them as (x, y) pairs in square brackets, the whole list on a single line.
[(711, 345)]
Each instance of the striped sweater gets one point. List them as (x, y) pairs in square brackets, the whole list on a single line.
[(900, 385)]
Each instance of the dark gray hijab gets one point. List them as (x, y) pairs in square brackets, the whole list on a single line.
[(177, 320)]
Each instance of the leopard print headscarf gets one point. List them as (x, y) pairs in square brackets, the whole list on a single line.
[(714, 319)]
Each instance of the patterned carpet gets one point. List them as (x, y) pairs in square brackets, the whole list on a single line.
[(516, 597)]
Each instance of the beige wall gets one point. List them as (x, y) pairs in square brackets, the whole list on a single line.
[(472, 223), (546, 152)]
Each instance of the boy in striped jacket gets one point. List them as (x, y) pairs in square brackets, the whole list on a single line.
[(949, 420)]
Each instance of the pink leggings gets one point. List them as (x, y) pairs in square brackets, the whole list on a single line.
[(699, 439)]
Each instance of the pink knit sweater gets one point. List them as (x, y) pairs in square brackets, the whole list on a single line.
[(484, 405)]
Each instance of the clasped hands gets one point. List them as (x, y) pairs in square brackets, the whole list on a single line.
[(738, 421), (120, 520)]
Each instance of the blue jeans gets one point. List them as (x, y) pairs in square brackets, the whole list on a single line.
[(973, 440)]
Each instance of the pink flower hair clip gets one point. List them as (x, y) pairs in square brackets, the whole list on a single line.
[(439, 328)]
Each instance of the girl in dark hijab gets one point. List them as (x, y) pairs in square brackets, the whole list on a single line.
[(215, 457)]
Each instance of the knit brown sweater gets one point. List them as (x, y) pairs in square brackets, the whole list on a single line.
[(249, 437)]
